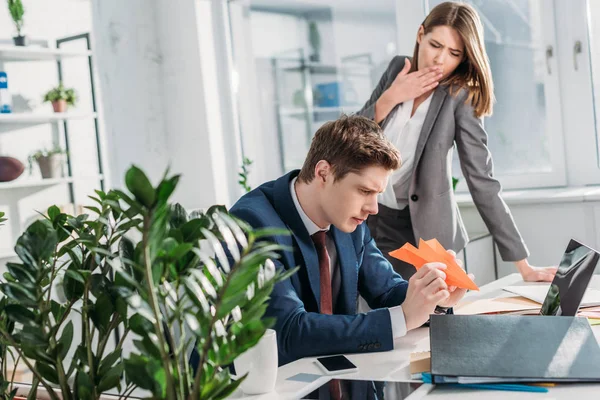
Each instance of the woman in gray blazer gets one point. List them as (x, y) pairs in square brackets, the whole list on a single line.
[(426, 105)]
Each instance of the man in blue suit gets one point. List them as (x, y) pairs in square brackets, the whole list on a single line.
[(324, 205)]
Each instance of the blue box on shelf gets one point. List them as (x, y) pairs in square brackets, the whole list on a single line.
[(328, 94)]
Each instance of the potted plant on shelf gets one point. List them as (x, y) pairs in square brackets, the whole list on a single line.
[(61, 97), (138, 267), (15, 7), (50, 162)]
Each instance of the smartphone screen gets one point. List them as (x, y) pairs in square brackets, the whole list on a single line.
[(336, 363)]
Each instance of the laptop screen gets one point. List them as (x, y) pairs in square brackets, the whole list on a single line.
[(571, 281)]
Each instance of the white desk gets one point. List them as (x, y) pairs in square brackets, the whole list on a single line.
[(393, 366)]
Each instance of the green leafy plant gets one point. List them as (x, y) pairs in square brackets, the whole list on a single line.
[(15, 7), (61, 93), (139, 267), (7, 357), (7, 392), (243, 174), (43, 153)]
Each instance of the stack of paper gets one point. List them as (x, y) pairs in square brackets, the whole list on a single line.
[(432, 251), (503, 305), (538, 294)]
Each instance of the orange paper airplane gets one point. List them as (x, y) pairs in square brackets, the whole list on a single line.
[(433, 251)]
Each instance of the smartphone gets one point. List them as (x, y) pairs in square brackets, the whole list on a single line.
[(333, 365)]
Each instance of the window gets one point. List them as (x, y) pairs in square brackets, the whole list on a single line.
[(524, 132)]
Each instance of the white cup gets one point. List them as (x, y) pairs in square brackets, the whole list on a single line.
[(260, 362)]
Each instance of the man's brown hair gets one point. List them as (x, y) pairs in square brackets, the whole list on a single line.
[(349, 144)]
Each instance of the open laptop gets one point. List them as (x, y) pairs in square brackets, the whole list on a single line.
[(571, 281), (567, 292)]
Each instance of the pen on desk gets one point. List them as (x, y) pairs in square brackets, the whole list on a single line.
[(427, 378), (501, 386)]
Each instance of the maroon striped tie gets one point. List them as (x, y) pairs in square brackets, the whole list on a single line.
[(326, 297)]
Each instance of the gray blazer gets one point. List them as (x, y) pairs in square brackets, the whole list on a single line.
[(433, 208)]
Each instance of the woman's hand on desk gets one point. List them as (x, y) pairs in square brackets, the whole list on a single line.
[(535, 274)]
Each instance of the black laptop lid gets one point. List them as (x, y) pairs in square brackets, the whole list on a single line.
[(571, 281)]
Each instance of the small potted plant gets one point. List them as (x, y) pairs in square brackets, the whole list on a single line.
[(61, 97), (15, 7), (50, 162)]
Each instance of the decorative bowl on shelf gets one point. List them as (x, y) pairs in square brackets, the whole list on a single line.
[(10, 169)]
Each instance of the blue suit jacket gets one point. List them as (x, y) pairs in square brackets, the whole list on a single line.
[(301, 330)]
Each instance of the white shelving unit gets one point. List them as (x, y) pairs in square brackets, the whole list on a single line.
[(301, 106), (12, 193), (33, 53), (42, 118), (26, 183)]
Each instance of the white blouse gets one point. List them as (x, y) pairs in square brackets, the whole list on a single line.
[(403, 131)]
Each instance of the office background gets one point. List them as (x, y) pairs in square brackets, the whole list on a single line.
[(200, 84)]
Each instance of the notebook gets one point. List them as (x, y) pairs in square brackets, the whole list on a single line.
[(513, 348)]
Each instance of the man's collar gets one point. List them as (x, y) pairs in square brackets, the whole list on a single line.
[(311, 227)]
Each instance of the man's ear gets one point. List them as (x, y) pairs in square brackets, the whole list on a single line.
[(322, 171)]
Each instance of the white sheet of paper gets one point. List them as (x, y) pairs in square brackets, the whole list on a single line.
[(538, 293)]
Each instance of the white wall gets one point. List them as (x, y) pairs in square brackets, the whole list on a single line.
[(163, 71)]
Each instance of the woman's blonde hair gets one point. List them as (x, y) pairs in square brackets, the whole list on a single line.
[(473, 73)]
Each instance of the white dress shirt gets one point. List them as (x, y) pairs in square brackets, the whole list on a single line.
[(396, 313), (403, 131)]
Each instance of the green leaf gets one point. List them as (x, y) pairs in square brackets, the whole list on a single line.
[(192, 230), (111, 379), (181, 250), (102, 312), (100, 284), (166, 188), (84, 385), (121, 307), (218, 384), (56, 309), (126, 249), (22, 273), (74, 274), (137, 371), (37, 244), (140, 325), (53, 212), (178, 216), (94, 209), (216, 209), (20, 314), (107, 363), (73, 287), (148, 346), (66, 338), (138, 184), (19, 294), (136, 222), (47, 372)]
